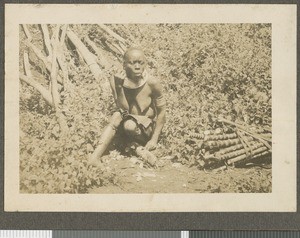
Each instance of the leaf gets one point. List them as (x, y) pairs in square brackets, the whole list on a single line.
[(88, 182)]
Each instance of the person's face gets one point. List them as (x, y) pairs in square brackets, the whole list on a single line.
[(134, 64)]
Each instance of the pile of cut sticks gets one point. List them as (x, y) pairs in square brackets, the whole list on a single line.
[(220, 150)]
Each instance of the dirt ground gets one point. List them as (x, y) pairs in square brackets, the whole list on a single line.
[(134, 176)]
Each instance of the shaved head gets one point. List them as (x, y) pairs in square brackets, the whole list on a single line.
[(133, 51), (134, 63)]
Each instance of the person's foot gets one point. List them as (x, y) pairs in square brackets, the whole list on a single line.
[(94, 161)]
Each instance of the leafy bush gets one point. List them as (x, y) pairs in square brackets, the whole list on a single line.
[(207, 70)]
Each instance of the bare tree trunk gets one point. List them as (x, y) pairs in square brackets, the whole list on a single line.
[(41, 56), (120, 44), (63, 66), (42, 90), (60, 54), (89, 58), (96, 49), (27, 65), (27, 33), (54, 86), (52, 97), (46, 39), (38, 52), (115, 47), (63, 34), (113, 34), (29, 80)]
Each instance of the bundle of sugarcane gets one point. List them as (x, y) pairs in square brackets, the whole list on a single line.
[(237, 146)]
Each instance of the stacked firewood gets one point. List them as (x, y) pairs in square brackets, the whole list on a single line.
[(219, 148)]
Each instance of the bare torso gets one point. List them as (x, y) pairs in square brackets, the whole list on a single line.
[(137, 101)]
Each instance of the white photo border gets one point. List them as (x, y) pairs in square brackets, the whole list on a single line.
[(284, 68)]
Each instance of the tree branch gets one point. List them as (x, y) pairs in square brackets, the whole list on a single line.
[(54, 86), (62, 65), (41, 89), (96, 49), (29, 80), (63, 34), (115, 48), (88, 57), (27, 33), (54, 72), (119, 48), (27, 65), (41, 56), (112, 33), (60, 54), (46, 39), (38, 52)]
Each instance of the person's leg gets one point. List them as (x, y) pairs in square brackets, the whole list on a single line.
[(131, 128), (106, 137)]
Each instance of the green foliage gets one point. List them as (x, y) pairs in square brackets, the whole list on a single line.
[(219, 69), (55, 163), (58, 166), (207, 70)]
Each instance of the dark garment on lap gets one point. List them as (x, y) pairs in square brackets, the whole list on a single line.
[(123, 140)]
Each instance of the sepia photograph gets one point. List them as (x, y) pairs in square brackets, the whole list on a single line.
[(139, 108), (127, 108)]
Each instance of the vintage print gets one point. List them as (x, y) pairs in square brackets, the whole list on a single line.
[(145, 108), (128, 108)]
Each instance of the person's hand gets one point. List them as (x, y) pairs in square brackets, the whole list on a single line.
[(151, 145)]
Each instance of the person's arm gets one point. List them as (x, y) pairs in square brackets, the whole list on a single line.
[(117, 77), (160, 106)]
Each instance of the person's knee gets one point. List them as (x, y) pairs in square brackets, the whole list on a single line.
[(131, 128), (115, 120)]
